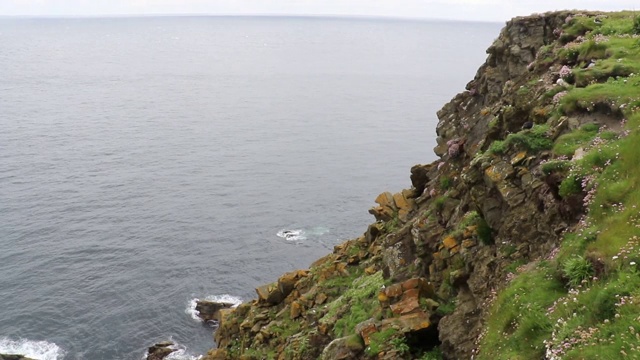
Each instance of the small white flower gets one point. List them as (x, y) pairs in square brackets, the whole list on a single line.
[(632, 263), (615, 257)]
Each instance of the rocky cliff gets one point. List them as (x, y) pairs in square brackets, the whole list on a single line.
[(477, 257)]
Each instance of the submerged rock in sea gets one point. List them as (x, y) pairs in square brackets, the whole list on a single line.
[(13, 357), (159, 351), (210, 310)]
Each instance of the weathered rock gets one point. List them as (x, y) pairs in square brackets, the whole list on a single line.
[(160, 351), (366, 329), (270, 294), (287, 282), (407, 323), (343, 348)]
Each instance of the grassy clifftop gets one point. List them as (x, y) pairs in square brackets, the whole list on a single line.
[(582, 301), (521, 242)]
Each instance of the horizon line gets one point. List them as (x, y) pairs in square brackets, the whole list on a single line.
[(329, 16)]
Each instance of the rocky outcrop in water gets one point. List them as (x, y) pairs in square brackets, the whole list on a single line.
[(160, 350), (13, 357), (211, 311)]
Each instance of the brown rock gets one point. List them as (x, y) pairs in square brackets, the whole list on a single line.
[(450, 242), (402, 202), (469, 243), (287, 282), (366, 329), (321, 298), (159, 351), (393, 291), (406, 306), (270, 294), (408, 323), (296, 309), (385, 200), (216, 354)]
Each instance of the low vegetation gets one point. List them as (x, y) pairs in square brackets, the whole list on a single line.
[(583, 301)]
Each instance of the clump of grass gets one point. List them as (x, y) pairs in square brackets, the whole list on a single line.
[(379, 339), (446, 308), (552, 166), (434, 354), (445, 183), (439, 202), (535, 140), (359, 299), (577, 269), (571, 185)]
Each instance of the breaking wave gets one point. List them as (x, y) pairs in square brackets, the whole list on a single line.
[(41, 350), (292, 235)]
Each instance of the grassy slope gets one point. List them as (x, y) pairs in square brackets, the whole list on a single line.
[(583, 302)]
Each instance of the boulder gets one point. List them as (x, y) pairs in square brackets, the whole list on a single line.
[(210, 310), (287, 282), (343, 348), (270, 294), (160, 350)]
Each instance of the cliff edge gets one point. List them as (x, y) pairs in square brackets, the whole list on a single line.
[(518, 243)]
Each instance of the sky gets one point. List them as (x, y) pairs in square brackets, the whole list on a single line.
[(478, 10)]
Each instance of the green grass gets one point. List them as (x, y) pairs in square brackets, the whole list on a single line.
[(577, 269), (379, 340), (552, 166), (518, 323), (435, 354), (598, 317), (534, 140), (357, 304), (567, 144), (614, 92)]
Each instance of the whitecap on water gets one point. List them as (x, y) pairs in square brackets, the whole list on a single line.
[(225, 298), (292, 235), (41, 350)]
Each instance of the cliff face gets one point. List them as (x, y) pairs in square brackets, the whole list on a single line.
[(422, 281)]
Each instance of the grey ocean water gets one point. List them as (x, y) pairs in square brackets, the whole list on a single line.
[(145, 162)]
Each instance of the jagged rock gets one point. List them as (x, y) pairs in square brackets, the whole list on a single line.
[(296, 310), (160, 351), (412, 322), (366, 329), (287, 282), (270, 294), (210, 310), (372, 234)]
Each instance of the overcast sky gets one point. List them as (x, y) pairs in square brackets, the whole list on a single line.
[(483, 10)]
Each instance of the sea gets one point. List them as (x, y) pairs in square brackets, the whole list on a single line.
[(146, 162)]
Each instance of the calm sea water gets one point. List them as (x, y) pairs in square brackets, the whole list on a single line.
[(145, 162)]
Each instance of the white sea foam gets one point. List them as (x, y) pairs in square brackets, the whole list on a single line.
[(41, 350), (225, 298), (292, 235)]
